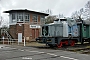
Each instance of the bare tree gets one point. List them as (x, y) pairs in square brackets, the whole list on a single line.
[(60, 16), (50, 19), (87, 10), (75, 15), (48, 11), (78, 14), (1, 20)]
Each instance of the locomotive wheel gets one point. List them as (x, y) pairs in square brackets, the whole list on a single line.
[(50, 45), (89, 41), (82, 42), (72, 43), (59, 45), (66, 42)]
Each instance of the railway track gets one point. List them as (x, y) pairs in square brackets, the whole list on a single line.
[(78, 48)]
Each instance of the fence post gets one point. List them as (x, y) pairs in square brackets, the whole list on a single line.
[(24, 41), (18, 43), (8, 41), (3, 39), (12, 41)]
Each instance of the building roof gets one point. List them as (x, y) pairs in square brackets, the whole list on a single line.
[(25, 10)]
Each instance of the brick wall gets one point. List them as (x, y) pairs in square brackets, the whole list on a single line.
[(38, 18), (27, 31), (31, 17), (19, 29), (12, 31)]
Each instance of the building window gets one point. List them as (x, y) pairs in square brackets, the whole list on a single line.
[(35, 18), (13, 17), (20, 17), (42, 19), (84, 28), (27, 17)]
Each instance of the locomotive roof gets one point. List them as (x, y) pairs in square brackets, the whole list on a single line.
[(52, 24)]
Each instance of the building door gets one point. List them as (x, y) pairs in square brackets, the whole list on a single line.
[(19, 37), (37, 33), (33, 33)]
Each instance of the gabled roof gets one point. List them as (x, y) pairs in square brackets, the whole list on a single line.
[(25, 10)]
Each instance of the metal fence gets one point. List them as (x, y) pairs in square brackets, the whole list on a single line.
[(12, 41)]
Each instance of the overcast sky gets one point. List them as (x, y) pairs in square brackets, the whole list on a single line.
[(65, 7)]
